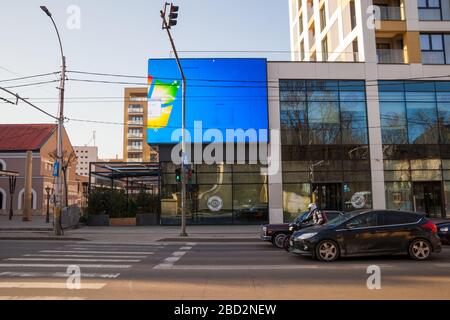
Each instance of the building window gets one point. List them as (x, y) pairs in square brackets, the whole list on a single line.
[(323, 112), (2, 199), (433, 10), (323, 18), (325, 49), (302, 50), (414, 112), (352, 14), (433, 48)]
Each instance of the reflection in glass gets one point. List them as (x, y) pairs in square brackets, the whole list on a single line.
[(398, 195)]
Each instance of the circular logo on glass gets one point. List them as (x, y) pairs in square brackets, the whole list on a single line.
[(215, 203), (358, 200)]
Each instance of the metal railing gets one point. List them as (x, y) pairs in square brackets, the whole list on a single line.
[(394, 56), (391, 13), (135, 110)]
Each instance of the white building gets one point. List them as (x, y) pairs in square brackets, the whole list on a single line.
[(85, 155)]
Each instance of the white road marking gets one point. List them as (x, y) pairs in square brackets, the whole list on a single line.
[(56, 275), (168, 263), (95, 252), (65, 265), (48, 285), (250, 267), (442, 265), (172, 259), (82, 256), (179, 253), (71, 259), (41, 298)]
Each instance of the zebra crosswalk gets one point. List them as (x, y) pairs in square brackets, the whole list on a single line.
[(53, 269)]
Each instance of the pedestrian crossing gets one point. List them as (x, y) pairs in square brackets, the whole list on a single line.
[(30, 274)]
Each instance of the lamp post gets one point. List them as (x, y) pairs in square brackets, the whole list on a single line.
[(59, 148), (49, 191), (173, 15)]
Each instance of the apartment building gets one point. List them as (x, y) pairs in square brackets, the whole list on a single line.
[(386, 31), (135, 147), (85, 155), (399, 49)]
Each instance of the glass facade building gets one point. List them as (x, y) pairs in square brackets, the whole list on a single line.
[(324, 145), (217, 194), (415, 120)]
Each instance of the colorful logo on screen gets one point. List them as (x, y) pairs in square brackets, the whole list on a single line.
[(161, 97)]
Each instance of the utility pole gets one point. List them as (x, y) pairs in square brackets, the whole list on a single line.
[(173, 15), (59, 147)]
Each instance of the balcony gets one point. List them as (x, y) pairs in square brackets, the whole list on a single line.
[(391, 56), (135, 148), (391, 13), (135, 160), (136, 122), (136, 110), (135, 135)]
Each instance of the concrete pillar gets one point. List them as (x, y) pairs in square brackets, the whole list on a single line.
[(27, 206), (275, 170)]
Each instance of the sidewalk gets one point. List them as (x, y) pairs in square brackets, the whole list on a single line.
[(16, 224), (37, 229)]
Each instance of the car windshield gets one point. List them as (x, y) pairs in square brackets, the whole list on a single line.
[(343, 218), (301, 217)]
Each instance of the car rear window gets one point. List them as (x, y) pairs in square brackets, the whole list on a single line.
[(394, 217)]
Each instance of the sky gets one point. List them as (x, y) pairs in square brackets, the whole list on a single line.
[(119, 37)]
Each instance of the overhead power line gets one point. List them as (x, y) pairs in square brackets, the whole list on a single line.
[(28, 103), (30, 77)]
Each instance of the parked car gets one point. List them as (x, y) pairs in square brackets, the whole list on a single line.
[(369, 232), (276, 233), (444, 232)]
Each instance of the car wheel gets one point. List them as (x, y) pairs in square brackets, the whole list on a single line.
[(420, 249), (278, 240), (327, 251)]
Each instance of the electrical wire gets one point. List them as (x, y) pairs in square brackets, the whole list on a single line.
[(30, 77)]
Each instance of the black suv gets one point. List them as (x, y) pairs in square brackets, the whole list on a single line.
[(369, 232)]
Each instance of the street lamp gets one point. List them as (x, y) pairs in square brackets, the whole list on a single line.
[(49, 191), (59, 148), (173, 16)]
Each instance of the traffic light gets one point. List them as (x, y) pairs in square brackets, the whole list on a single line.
[(178, 175), (173, 15)]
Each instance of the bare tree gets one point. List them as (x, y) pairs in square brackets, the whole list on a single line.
[(68, 159)]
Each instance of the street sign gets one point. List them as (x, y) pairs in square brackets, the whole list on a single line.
[(56, 169)]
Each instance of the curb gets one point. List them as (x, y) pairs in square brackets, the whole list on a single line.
[(209, 240), (42, 239), (25, 229)]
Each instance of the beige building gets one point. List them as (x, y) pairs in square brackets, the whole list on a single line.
[(135, 147), (385, 31), (40, 139)]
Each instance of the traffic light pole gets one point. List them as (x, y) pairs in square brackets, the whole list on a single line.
[(183, 128)]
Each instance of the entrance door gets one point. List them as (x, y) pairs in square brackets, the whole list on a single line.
[(328, 196), (427, 197)]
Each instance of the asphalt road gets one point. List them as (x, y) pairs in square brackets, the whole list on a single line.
[(38, 270)]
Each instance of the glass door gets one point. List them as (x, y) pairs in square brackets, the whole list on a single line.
[(328, 196), (427, 198)]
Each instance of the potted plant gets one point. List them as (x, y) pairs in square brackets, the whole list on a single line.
[(97, 208), (147, 209)]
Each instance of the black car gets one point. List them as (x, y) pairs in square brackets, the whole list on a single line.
[(276, 233), (369, 232), (444, 232)]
